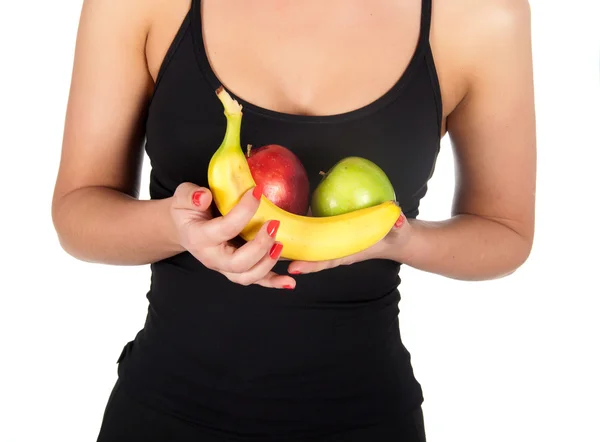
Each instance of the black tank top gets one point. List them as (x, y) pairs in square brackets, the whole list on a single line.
[(328, 354)]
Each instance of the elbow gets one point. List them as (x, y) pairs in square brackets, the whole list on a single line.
[(60, 227), (521, 253), (57, 221), (69, 245), (64, 233)]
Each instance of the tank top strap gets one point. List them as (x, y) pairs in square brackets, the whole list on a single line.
[(196, 12), (425, 22), (195, 8)]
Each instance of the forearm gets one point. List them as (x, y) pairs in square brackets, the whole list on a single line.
[(466, 247), (103, 225)]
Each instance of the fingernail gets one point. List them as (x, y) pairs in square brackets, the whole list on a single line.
[(257, 192), (399, 222), (289, 287), (197, 195), (295, 272), (276, 250), (272, 228)]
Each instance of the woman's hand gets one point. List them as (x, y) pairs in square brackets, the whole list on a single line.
[(207, 238), (388, 248)]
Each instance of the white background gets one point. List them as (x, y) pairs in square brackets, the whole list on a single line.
[(507, 360)]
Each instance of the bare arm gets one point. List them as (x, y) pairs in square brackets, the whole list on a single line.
[(95, 209), (490, 233), (493, 134)]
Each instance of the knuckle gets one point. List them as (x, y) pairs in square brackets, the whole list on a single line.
[(229, 230), (238, 266), (245, 280), (209, 260), (208, 263), (345, 262), (182, 189), (262, 241)]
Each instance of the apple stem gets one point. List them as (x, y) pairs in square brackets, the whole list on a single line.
[(322, 173), (248, 149)]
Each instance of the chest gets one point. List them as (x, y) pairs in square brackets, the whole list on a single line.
[(309, 57), (322, 82)]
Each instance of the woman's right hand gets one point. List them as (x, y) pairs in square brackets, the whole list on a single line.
[(207, 238)]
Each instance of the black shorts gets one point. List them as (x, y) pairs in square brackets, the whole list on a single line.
[(127, 420)]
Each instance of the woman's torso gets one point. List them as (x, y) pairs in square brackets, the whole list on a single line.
[(327, 82)]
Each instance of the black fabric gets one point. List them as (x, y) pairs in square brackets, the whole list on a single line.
[(255, 362), (127, 420)]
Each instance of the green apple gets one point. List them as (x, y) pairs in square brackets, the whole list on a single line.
[(351, 184)]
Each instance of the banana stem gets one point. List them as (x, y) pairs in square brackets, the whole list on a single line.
[(232, 107), (233, 114)]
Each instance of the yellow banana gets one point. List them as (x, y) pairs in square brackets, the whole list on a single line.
[(303, 238)]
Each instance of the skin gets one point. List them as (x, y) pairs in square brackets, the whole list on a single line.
[(484, 63)]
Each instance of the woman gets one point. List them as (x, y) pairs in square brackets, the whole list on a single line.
[(224, 354)]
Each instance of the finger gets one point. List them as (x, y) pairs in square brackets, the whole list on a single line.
[(303, 267), (191, 196), (273, 280), (262, 269), (225, 228), (248, 255), (400, 221)]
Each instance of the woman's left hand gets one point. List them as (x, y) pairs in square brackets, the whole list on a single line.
[(388, 248)]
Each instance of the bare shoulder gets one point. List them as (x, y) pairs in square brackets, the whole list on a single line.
[(109, 89), (484, 58), (492, 26), (146, 26), (469, 37), (130, 17), (491, 15)]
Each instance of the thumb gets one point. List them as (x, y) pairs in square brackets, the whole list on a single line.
[(192, 197)]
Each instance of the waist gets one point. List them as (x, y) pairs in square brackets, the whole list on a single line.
[(289, 387), (219, 353), (219, 325)]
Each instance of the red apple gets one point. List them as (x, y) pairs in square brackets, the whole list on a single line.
[(282, 175)]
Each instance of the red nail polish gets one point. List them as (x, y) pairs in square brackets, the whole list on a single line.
[(272, 228), (276, 250), (289, 287), (257, 192), (196, 197), (399, 222), (295, 272)]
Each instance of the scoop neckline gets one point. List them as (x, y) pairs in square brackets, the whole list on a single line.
[(382, 101)]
